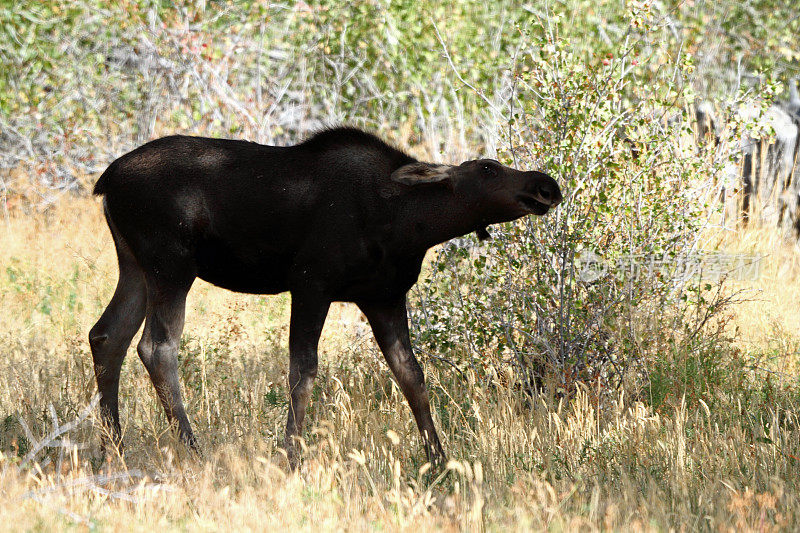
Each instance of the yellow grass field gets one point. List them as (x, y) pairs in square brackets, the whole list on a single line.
[(516, 463)]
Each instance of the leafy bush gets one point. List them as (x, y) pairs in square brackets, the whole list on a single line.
[(634, 195), (81, 82)]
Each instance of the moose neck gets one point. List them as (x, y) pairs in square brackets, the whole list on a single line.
[(433, 215)]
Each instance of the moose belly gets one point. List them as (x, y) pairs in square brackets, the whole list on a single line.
[(254, 271)]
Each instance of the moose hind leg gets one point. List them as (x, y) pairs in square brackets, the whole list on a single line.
[(112, 334), (158, 350), (390, 326)]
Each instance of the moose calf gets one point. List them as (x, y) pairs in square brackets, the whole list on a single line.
[(339, 217)]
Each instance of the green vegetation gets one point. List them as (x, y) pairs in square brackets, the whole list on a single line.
[(78, 76)]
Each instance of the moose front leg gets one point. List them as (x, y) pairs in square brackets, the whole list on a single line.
[(305, 327), (390, 326)]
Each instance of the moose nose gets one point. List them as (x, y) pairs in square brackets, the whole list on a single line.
[(551, 193)]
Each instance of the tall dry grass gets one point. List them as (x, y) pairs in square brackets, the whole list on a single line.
[(517, 461)]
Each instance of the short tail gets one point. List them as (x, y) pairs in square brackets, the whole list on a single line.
[(100, 186)]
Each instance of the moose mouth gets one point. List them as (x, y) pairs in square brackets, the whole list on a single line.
[(533, 204)]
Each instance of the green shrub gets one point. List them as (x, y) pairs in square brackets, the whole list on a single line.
[(633, 194)]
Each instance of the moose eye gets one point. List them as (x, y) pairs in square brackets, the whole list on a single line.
[(489, 170)]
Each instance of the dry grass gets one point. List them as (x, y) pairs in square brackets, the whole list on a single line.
[(517, 462), (767, 319)]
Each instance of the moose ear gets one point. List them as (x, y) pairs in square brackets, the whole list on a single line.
[(419, 173)]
